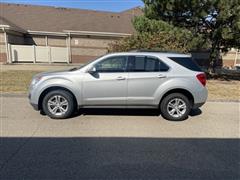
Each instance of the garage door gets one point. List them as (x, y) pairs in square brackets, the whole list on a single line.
[(38, 54)]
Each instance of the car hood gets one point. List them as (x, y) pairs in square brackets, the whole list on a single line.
[(53, 73)]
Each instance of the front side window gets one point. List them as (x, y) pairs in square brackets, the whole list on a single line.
[(146, 64), (112, 64)]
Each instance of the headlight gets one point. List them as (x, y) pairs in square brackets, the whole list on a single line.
[(36, 80)]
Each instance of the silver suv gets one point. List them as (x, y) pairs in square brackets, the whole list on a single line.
[(170, 82)]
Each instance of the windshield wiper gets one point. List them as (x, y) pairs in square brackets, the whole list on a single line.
[(74, 69)]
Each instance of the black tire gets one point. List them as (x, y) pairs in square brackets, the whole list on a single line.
[(69, 98), (164, 107)]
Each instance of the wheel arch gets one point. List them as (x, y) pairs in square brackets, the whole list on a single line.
[(49, 89), (185, 92)]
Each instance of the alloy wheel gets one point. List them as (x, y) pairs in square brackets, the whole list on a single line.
[(58, 105), (176, 107)]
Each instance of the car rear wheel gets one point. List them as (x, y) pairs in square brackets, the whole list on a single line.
[(58, 104), (175, 107)]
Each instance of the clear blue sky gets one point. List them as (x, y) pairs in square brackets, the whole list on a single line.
[(104, 5)]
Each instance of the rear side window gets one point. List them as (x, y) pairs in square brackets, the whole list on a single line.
[(145, 64), (186, 62)]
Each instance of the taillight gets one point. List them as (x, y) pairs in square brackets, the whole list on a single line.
[(202, 78)]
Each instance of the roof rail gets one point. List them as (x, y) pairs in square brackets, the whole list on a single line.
[(154, 50)]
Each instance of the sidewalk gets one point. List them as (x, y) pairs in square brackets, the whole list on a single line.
[(36, 67)]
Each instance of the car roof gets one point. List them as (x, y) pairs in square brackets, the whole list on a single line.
[(159, 54)]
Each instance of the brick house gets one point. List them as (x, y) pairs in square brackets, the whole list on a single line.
[(85, 34)]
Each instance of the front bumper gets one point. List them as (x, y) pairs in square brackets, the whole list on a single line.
[(35, 106)]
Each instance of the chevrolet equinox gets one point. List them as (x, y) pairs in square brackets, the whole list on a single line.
[(170, 82)]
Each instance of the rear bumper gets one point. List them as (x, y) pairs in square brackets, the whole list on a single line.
[(200, 97)]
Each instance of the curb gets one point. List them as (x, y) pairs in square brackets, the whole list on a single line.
[(226, 101), (23, 95)]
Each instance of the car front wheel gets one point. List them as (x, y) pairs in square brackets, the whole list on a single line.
[(175, 107), (58, 104)]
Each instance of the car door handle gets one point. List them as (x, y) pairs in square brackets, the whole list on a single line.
[(161, 76), (121, 78)]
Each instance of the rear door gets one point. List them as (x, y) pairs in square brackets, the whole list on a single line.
[(146, 74)]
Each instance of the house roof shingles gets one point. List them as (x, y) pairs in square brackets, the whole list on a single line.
[(53, 19)]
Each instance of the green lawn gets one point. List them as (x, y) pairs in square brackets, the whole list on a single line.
[(16, 81)]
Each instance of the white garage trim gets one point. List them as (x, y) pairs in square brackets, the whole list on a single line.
[(93, 33), (84, 33), (47, 33)]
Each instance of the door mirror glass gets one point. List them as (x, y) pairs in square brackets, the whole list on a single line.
[(93, 70)]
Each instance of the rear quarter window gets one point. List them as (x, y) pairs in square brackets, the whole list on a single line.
[(186, 62)]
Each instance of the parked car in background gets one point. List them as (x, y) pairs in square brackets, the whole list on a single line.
[(170, 82)]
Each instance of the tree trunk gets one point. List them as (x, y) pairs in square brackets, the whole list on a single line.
[(214, 58)]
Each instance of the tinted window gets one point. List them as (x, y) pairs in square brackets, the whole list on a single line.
[(139, 63), (152, 64), (163, 67), (187, 62), (112, 64), (145, 64)]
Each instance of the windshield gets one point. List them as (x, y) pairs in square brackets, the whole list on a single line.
[(82, 66)]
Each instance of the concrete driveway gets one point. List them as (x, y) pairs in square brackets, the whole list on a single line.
[(119, 144)]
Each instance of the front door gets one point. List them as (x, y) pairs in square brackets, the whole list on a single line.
[(107, 86)]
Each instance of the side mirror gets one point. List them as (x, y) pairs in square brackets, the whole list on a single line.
[(93, 70)]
